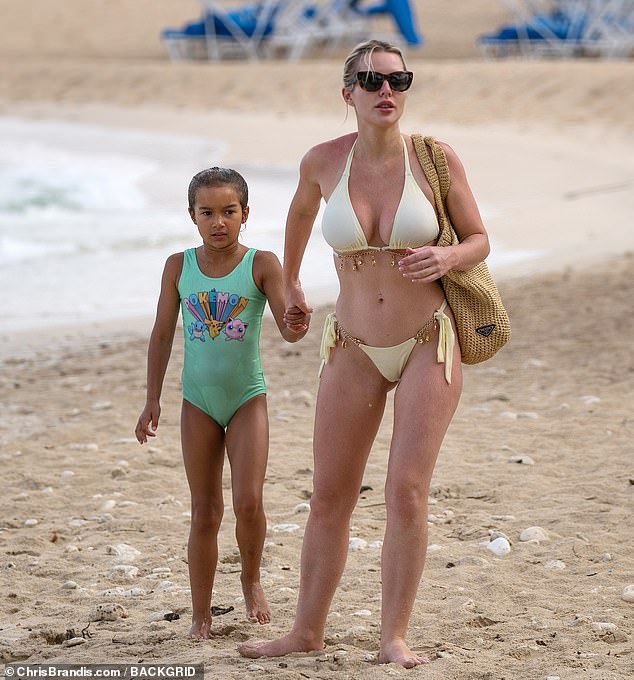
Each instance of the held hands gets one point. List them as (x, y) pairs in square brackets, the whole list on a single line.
[(426, 264), (297, 314), (148, 418)]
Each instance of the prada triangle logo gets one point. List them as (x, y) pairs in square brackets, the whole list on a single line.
[(486, 330)]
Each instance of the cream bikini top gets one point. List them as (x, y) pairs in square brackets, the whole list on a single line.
[(415, 221)]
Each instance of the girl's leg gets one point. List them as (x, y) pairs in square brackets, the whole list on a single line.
[(247, 450), (202, 441), (350, 404), (423, 407)]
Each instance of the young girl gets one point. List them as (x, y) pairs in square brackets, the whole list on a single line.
[(221, 287)]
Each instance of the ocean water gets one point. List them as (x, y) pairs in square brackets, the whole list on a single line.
[(88, 215)]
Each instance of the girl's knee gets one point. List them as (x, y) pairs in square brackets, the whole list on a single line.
[(248, 508), (206, 516)]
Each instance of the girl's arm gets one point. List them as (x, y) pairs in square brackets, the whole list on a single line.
[(431, 262), (160, 347), (267, 272), (299, 223)]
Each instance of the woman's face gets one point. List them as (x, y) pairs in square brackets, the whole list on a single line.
[(385, 106)]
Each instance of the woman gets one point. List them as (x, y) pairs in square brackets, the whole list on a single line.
[(391, 329)]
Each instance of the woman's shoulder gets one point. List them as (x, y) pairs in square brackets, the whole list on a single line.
[(330, 150), (450, 154)]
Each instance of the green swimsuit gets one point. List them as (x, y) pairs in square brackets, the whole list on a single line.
[(222, 318)]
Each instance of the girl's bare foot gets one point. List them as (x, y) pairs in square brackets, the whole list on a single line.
[(397, 651), (258, 610), (286, 645), (200, 630)]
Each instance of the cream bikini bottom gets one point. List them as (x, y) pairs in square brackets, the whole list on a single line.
[(390, 361)]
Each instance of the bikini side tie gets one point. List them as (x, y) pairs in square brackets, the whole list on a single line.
[(446, 340), (328, 339)]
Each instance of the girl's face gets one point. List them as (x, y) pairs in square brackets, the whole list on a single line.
[(385, 106), (218, 215)]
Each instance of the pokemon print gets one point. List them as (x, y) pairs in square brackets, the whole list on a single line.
[(215, 313)]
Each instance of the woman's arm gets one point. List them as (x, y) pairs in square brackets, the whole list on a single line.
[(299, 223), (465, 217), (267, 272), (160, 347), (430, 263)]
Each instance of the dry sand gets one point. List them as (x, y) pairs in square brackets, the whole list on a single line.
[(542, 437)]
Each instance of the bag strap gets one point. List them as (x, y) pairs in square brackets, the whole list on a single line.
[(434, 163)]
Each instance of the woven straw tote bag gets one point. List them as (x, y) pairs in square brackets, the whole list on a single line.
[(482, 323)]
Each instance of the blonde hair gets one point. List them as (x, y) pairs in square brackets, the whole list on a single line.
[(367, 47)]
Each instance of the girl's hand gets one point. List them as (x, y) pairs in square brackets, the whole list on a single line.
[(148, 418), (426, 264)]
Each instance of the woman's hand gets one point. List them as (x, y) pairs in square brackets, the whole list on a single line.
[(426, 264), (297, 313)]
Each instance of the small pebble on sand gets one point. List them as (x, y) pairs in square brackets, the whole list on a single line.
[(499, 547), (534, 534), (108, 611), (127, 572), (31, 522), (628, 593), (73, 642), (603, 627), (123, 552), (91, 446), (522, 460), (284, 528), (555, 565), (356, 544)]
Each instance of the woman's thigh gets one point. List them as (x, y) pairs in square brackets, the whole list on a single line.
[(424, 404), (350, 405)]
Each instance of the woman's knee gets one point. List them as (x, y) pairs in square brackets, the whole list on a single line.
[(330, 506), (406, 499)]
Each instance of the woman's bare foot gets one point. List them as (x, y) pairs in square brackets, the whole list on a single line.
[(200, 630), (286, 645), (258, 610), (397, 651)]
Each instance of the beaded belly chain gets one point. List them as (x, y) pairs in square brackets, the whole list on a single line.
[(359, 258)]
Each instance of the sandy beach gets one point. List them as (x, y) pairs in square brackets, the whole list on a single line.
[(93, 528)]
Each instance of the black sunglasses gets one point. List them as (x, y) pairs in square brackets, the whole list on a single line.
[(371, 81)]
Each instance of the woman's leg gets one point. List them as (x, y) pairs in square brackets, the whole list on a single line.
[(350, 404), (202, 441), (423, 407), (247, 450)]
